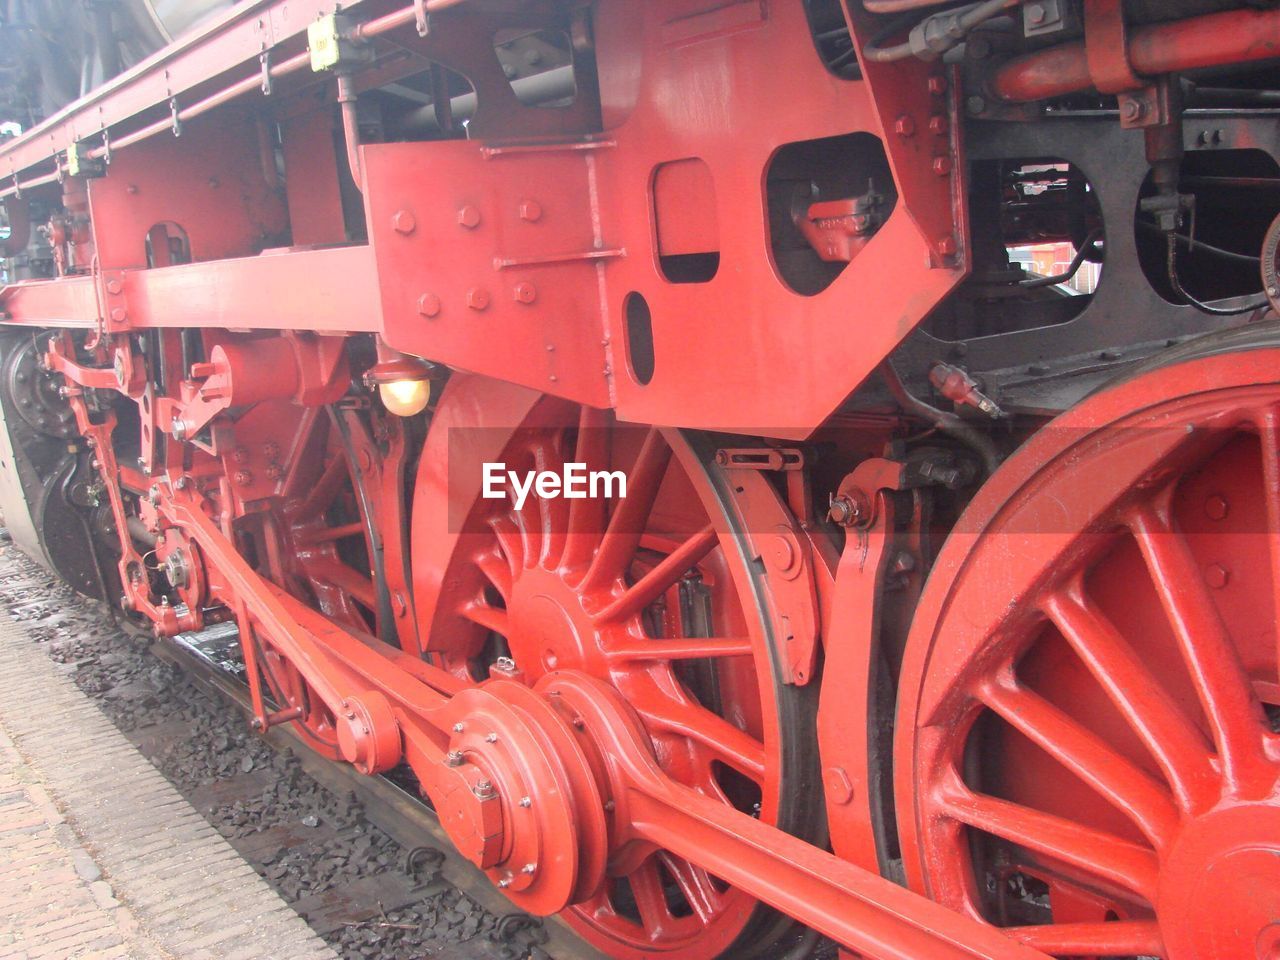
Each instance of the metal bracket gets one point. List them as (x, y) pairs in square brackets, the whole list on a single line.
[(175, 117), (265, 60)]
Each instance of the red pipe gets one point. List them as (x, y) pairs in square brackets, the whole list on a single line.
[(1215, 40)]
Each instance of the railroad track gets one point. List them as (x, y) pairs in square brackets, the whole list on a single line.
[(301, 821)]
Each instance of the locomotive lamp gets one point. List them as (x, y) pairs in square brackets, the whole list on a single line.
[(403, 382)]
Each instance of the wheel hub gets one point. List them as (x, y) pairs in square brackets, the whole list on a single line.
[(551, 627), (1220, 887)]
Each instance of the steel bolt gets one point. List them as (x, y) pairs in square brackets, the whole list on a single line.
[(119, 315), (1216, 576), (182, 483), (469, 217), (530, 211), (491, 738), (429, 305), (526, 293), (484, 789), (114, 286), (478, 298), (1216, 507), (526, 801), (454, 758), (904, 126), (529, 868), (459, 727), (504, 883), (403, 222), (844, 512), (1133, 109), (240, 455), (1035, 14), (243, 478)]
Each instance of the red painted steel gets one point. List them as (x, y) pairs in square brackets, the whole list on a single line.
[(1121, 557), (1235, 36)]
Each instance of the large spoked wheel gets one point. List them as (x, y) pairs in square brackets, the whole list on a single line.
[(326, 557), (654, 594), (1087, 741)]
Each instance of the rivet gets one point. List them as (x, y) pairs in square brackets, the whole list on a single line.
[(942, 166), (530, 211), (904, 126), (1216, 507), (939, 126), (937, 85), (1216, 575), (403, 222), (469, 217), (478, 298)]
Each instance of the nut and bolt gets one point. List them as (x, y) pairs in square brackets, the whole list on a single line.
[(1133, 109), (1216, 507), (429, 305), (526, 802), (459, 727), (484, 789), (478, 298), (529, 868), (491, 738), (845, 512), (526, 292), (403, 222), (243, 478), (454, 758)]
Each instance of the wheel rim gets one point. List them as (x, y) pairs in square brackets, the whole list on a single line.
[(588, 585), (1087, 744)]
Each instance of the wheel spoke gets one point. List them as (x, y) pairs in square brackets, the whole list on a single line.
[(507, 534), (497, 573), (735, 747), (1176, 744), (695, 884), (1125, 864), (661, 578), (345, 579), (323, 493), (1086, 755), (651, 901), (1122, 938), (626, 526), (330, 534), (585, 524), (681, 648), (1225, 691), (491, 618), (552, 511)]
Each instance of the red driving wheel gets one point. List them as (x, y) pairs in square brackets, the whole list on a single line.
[(652, 593), (1087, 745)]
